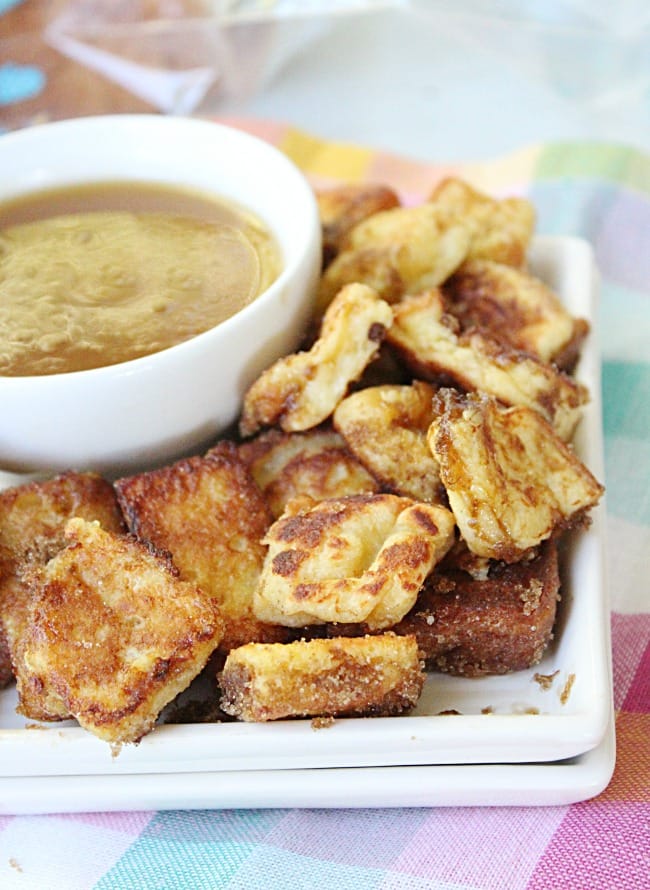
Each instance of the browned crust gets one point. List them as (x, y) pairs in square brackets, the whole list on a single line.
[(6, 669), (511, 481), (516, 309), (33, 515), (344, 677), (342, 207), (301, 390), (501, 228), (385, 427), (316, 463), (472, 627), (32, 530), (210, 516), (360, 558), (114, 634), (428, 341)]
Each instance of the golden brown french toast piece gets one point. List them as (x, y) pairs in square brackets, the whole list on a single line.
[(14, 606), (500, 229), (426, 340), (114, 632), (37, 699), (399, 251), (302, 390), (515, 308), (493, 625), (33, 515), (368, 676), (372, 266), (511, 481), (360, 558), (209, 515), (316, 463), (386, 428), (6, 668), (32, 523), (342, 207)]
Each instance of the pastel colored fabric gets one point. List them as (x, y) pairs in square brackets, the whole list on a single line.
[(599, 192)]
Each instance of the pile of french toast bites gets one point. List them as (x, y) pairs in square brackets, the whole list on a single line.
[(392, 501)]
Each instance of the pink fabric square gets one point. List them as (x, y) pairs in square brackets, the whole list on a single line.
[(599, 846), (124, 823), (637, 699), (490, 848), (630, 634)]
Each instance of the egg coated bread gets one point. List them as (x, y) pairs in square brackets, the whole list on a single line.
[(511, 481), (426, 339), (342, 207), (499, 229), (360, 558), (368, 676), (495, 624), (209, 516), (316, 463), (114, 634), (302, 390), (386, 427), (514, 308), (399, 251), (32, 525)]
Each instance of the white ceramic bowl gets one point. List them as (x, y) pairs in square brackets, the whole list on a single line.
[(147, 411)]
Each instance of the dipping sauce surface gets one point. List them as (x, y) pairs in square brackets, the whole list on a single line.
[(98, 274)]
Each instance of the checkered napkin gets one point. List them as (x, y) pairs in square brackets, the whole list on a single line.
[(598, 192)]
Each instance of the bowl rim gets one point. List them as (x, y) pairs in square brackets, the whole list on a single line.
[(310, 233)]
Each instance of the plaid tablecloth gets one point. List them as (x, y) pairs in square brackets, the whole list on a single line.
[(602, 193)]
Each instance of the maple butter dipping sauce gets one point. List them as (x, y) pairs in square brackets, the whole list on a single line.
[(98, 274)]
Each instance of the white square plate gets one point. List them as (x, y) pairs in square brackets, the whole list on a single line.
[(526, 723), (556, 783)]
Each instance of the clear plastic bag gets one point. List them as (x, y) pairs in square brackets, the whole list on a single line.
[(592, 51), (182, 56)]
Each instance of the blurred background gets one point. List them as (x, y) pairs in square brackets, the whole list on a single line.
[(434, 79)]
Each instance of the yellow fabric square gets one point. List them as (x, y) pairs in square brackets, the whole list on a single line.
[(326, 159)]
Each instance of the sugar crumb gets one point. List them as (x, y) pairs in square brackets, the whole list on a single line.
[(566, 690), (545, 680)]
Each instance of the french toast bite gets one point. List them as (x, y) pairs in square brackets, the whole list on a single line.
[(514, 308), (302, 390), (342, 207), (37, 700), (426, 339), (360, 558), (210, 516), (32, 523), (6, 668), (386, 428), (33, 516), (114, 633), (511, 481), (497, 624), (368, 676), (399, 251), (372, 266), (316, 463), (500, 229)]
